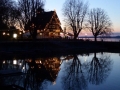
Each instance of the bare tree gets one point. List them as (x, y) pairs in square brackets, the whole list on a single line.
[(74, 12), (99, 23), (28, 9), (8, 13)]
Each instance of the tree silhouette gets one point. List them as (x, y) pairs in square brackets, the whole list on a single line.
[(74, 78), (9, 14), (74, 12), (28, 9), (99, 23)]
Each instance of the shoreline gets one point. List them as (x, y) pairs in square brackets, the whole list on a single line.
[(57, 46), (51, 48)]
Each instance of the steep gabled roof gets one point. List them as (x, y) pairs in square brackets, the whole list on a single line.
[(43, 19)]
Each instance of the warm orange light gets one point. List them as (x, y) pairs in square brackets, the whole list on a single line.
[(40, 62)]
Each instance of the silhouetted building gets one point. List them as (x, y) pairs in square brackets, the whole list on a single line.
[(47, 25), (10, 33)]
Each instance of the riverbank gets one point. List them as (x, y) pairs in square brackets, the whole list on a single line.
[(56, 46)]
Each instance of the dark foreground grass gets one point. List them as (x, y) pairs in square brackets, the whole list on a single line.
[(47, 45), (55, 47)]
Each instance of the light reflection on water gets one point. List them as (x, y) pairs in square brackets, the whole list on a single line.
[(93, 71)]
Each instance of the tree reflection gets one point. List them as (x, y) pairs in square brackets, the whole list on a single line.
[(99, 69), (74, 78), (39, 72), (35, 76)]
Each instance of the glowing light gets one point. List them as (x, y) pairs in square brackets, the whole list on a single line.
[(23, 31), (86, 34), (3, 62), (14, 62), (8, 34), (20, 64), (3, 33), (20, 33), (40, 33), (23, 68), (14, 35), (40, 62)]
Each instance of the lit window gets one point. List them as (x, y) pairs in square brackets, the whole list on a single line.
[(8, 34), (14, 62), (40, 33), (3, 33)]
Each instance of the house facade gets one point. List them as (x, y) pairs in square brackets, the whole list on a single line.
[(47, 25)]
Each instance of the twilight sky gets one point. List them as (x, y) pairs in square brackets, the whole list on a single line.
[(112, 7)]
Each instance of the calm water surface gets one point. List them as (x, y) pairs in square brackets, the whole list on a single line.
[(94, 71), (104, 39)]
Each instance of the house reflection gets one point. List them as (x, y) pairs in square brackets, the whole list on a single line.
[(77, 71), (47, 68), (12, 64), (36, 71)]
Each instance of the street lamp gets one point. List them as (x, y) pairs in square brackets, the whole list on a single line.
[(15, 35)]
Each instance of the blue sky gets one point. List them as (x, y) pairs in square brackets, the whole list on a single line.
[(112, 7)]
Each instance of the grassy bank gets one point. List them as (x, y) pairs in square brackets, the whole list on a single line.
[(31, 49), (43, 46)]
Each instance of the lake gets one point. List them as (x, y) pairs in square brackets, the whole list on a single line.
[(104, 39), (88, 71)]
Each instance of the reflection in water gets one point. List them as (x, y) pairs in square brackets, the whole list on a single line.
[(77, 74), (74, 78), (99, 69), (36, 72), (39, 71)]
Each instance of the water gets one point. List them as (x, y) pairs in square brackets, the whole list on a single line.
[(93, 71), (103, 39)]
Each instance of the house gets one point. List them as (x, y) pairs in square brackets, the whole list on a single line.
[(46, 24), (10, 33)]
